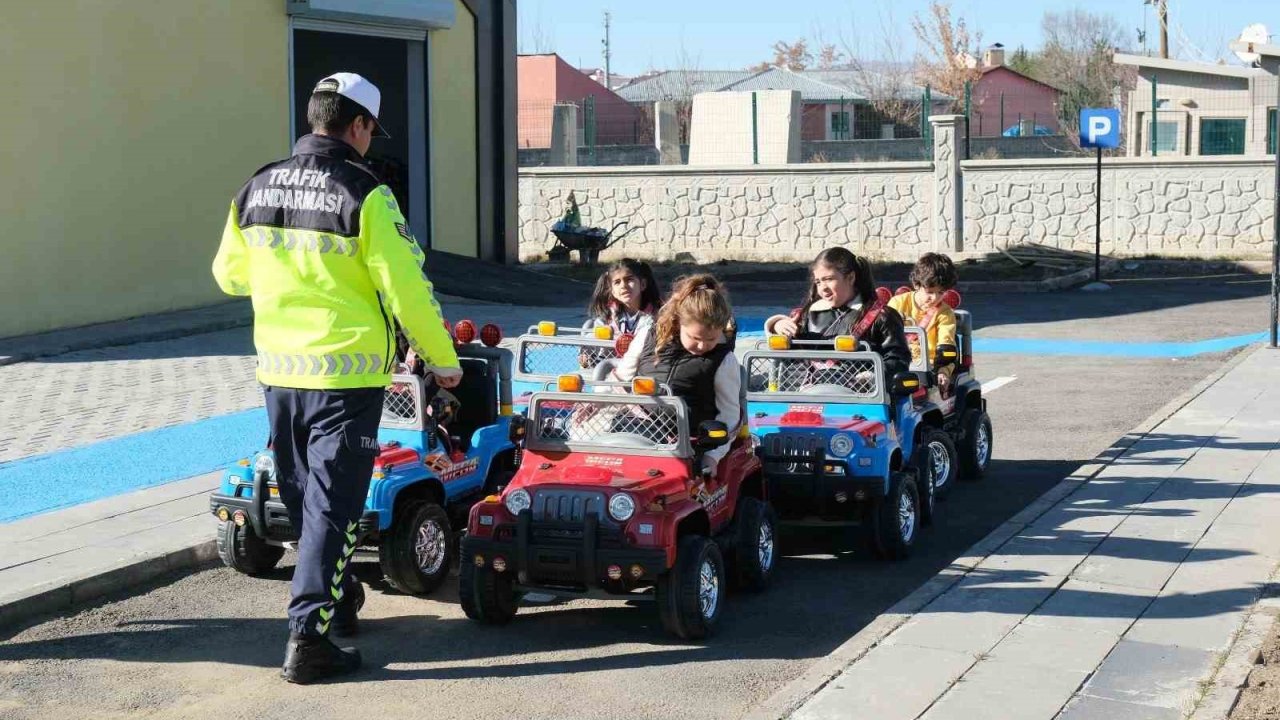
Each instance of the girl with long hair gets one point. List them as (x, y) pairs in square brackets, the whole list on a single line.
[(695, 358), (841, 295)]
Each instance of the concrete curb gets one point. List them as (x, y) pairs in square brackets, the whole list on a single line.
[(93, 341), (789, 699), (125, 575)]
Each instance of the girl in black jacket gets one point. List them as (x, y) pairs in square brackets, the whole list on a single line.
[(843, 291)]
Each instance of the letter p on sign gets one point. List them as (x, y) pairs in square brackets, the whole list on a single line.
[(1099, 128)]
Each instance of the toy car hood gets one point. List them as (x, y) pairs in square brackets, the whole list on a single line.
[(641, 475)]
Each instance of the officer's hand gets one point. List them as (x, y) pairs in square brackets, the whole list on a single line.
[(448, 381)]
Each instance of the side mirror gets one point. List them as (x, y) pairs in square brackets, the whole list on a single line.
[(947, 354), (516, 428), (908, 382), (711, 434)]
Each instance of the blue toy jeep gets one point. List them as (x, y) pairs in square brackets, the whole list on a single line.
[(958, 435), (838, 445), (425, 479)]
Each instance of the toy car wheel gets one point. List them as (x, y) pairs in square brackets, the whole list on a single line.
[(897, 518), (243, 551), (975, 450), (756, 544), (420, 549), (487, 596), (922, 465), (691, 595), (937, 447)]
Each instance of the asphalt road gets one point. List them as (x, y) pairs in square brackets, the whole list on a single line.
[(207, 644)]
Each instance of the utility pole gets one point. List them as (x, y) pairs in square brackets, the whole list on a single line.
[(1162, 11), (608, 82)]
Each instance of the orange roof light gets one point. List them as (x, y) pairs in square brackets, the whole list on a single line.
[(779, 342), (644, 386), (846, 343), (547, 327), (569, 383), (603, 332)]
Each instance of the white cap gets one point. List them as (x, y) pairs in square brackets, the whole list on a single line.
[(359, 91)]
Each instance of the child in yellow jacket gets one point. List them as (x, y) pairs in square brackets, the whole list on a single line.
[(933, 275)]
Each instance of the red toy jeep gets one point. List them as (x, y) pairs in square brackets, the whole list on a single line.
[(608, 503)]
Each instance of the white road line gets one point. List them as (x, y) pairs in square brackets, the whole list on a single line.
[(997, 383)]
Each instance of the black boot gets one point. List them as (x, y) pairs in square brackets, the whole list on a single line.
[(345, 622), (308, 658)]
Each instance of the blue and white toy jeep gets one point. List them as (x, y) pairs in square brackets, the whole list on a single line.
[(838, 441), (425, 479)]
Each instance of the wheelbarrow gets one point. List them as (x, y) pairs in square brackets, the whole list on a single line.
[(587, 241)]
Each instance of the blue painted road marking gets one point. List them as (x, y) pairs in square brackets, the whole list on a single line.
[(69, 477)]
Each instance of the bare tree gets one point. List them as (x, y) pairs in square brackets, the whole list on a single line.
[(540, 41), (791, 56), (1077, 59), (887, 81), (948, 48)]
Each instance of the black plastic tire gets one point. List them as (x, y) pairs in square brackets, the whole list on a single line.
[(487, 596), (243, 551), (419, 523), (897, 518), (933, 439), (755, 544), (978, 443), (678, 594)]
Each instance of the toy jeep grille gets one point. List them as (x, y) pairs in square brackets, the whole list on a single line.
[(402, 402), (854, 377), (609, 423), (552, 357), (566, 505)]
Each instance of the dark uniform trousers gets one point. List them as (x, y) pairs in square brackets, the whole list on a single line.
[(325, 442)]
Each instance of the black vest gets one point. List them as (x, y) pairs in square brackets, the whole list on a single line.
[(692, 377)]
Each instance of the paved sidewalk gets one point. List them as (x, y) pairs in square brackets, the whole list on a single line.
[(1121, 600), (51, 561)]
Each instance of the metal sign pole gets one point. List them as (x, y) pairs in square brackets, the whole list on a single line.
[(1097, 223), (1275, 226)]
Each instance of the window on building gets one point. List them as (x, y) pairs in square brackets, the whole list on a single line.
[(1166, 136), (1222, 136)]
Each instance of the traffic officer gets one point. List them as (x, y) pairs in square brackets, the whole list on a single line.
[(320, 244)]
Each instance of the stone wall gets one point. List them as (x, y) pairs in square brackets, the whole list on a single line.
[(1180, 206), (1192, 207), (759, 213)]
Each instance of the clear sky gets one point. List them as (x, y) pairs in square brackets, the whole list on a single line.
[(732, 34)]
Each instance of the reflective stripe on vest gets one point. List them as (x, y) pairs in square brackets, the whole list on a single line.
[(312, 365), (301, 241)]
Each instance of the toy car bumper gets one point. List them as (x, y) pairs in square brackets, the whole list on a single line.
[(804, 483), (565, 555), (270, 519)]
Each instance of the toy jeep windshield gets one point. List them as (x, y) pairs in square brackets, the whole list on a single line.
[(608, 503), (547, 351)]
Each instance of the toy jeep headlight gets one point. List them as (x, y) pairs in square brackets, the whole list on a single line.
[(621, 507), (517, 501), (841, 444), (266, 463)]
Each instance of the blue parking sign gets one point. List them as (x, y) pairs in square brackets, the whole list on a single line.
[(1099, 128)]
